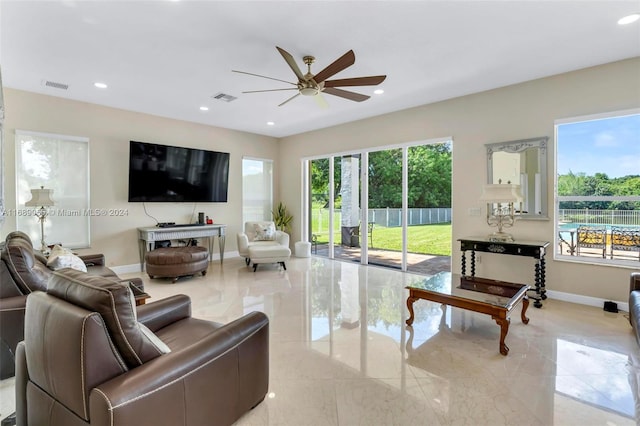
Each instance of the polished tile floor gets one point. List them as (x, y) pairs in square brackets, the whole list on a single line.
[(341, 354)]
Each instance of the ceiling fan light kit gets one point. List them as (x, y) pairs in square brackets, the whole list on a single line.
[(313, 85)]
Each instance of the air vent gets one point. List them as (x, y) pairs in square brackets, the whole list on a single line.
[(224, 97), (56, 85)]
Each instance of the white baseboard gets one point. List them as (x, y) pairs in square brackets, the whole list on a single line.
[(584, 300), (135, 267)]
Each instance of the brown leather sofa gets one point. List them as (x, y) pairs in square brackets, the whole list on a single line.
[(634, 304), (86, 360), (22, 271)]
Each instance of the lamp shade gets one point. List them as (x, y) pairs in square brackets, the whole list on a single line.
[(501, 193), (40, 198)]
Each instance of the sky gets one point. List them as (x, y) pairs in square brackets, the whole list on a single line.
[(609, 145)]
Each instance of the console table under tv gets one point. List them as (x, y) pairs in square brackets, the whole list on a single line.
[(535, 249), (148, 236)]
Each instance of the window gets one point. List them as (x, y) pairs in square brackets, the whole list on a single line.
[(598, 188), (60, 163), (257, 189)]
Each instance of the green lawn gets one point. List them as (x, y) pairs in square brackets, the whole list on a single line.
[(426, 239)]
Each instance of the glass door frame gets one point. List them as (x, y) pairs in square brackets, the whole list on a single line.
[(306, 230)]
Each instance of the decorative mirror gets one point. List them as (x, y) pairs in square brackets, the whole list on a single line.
[(522, 162)]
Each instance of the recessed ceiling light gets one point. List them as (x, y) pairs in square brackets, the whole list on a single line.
[(378, 91), (629, 19), (204, 108), (100, 85), (270, 123)]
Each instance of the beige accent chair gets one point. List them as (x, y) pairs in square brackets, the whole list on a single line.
[(262, 243)]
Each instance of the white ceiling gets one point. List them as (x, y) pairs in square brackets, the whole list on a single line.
[(168, 58)]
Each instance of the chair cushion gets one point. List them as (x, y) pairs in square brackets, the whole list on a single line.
[(61, 257), (265, 232), (269, 253), (251, 227), (113, 301)]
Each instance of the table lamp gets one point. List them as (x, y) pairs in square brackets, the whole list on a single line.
[(501, 213), (41, 198)]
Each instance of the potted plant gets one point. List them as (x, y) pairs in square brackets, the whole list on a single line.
[(282, 218)]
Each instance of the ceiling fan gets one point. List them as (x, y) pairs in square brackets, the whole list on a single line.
[(314, 84)]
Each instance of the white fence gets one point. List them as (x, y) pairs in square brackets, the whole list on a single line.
[(419, 216), (387, 217), (599, 217)]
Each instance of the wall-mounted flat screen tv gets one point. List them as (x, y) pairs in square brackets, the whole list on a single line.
[(161, 173)]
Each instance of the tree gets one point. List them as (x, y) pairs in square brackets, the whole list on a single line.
[(320, 180), (429, 169), (430, 175), (385, 176), (598, 185)]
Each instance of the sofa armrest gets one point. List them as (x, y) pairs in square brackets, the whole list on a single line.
[(13, 303), (11, 332), (243, 244), (282, 238), (136, 285), (8, 286), (221, 376), (159, 314), (22, 377), (634, 282), (96, 259)]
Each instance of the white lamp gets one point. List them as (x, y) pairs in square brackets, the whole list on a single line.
[(41, 198), (501, 213)]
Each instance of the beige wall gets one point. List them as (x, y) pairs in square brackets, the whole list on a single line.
[(515, 112), (109, 131)]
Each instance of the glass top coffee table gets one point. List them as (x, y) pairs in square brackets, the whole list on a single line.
[(495, 298)]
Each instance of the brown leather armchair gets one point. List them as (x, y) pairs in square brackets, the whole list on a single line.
[(22, 271), (87, 360)]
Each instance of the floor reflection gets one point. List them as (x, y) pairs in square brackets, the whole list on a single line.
[(341, 354)]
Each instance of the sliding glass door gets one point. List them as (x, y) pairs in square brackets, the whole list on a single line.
[(429, 208), (320, 195), (346, 244), (389, 207), (384, 222)]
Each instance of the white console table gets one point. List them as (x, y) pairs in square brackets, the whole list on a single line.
[(148, 236)]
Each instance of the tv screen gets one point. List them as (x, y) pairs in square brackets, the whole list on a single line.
[(161, 173)]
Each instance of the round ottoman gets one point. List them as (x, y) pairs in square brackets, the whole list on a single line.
[(175, 262), (303, 249)]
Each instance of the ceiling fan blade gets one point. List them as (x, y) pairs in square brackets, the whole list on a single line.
[(338, 65), (291, 98), (269, 90), (292, 63), (352, 96), (263, 76), (356, 81)]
